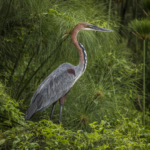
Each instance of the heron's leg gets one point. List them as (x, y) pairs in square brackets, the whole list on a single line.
[(52, 110), (61, 101)]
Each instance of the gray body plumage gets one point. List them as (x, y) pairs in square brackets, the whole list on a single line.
[(55, 86)]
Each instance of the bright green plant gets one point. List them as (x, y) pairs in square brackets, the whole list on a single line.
[(46, 135), (141, 28), (10, 116)]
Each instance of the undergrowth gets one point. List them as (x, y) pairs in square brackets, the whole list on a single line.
[(46, 135), (121, 134)]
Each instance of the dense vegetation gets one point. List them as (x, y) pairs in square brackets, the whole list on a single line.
[(104, 109)]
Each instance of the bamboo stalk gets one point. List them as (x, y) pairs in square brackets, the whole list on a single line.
[(144, 82), (109, 10), (136, 36)]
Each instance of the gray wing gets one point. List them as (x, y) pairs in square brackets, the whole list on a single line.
[(55, 86)]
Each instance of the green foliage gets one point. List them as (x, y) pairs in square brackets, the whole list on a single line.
[(46, 135), (115, 134), (141, 28), (10, 116)]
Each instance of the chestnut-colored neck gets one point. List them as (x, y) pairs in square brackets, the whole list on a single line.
[(75, 42)]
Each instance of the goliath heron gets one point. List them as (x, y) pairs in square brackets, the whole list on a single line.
[(57, 85)]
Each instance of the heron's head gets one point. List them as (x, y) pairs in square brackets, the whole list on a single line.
[(87, 26)]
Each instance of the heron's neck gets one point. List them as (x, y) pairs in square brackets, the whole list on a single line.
[(84, 56), (81, 50)]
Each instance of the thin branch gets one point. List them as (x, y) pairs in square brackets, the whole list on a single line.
[(16, 64), (139, 102), (28, 67), (145, 13), (147, 36), (137, 35)]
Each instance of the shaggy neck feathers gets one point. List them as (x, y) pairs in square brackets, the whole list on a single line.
[(84, 56)]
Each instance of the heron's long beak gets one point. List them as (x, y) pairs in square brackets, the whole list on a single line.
[(100, 29)]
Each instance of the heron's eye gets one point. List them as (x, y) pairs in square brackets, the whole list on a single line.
[(90, 26)]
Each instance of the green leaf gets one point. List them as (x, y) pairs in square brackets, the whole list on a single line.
[(15, 142), (2, 141), (31, 145)]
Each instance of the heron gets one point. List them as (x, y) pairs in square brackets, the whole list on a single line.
[(58, 84)]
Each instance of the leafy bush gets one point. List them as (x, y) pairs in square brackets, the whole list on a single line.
[(10, 116), (46, 135)]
